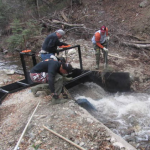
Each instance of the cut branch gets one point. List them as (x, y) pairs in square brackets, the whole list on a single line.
[(68, 24), (64, 16), (136, 45), (67, 140), (122, 57)]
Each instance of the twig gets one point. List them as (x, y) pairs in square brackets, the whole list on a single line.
[(121, 57), (37, 3), (16, 147), (67, 24), (80, 28), (64, 16), (83, 17), (63, 138)]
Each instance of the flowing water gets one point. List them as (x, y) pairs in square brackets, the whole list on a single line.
[(126, 114), (11, 63)]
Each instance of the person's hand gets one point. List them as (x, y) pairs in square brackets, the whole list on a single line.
[(105, 49), (65, 44), (55, 95), (107, 38)]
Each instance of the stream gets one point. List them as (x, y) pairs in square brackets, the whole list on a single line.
[(126, 114), (10, 63)]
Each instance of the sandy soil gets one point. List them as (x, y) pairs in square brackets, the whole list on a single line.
[(68, 119)]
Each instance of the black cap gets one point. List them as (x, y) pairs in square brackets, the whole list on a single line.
[(67, 67), (62, 59)]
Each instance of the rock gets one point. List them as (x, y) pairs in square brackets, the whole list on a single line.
[(119, 145), (72, 51), (112, 140), (89, 120), (38, 143), (9, 71), (5, 51), (31, 148), (143, 4), (129, 138), (82, 143)]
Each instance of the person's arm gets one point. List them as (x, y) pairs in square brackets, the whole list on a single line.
[(107, 36), (97, 39), (106, 31), (53, 67), (62, 43), (51, 78), (58, 43), (51, 43)]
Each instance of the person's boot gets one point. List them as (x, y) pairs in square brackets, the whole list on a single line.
[(97, 60), (40, 87), (58, 101)]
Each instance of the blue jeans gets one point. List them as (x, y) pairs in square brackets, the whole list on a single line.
[(46, 56)]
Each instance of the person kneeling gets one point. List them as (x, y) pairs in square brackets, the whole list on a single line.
[(51, 71)]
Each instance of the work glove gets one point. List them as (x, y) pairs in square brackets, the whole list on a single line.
[(107, 38), (55, 95), (105, 49)]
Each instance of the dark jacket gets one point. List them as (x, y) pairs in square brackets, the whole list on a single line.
[(51, 42), (51, 67)]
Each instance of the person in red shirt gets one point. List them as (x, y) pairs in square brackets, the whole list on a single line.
[(99, 41)]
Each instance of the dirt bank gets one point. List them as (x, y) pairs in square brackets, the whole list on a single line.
[(69, 120)]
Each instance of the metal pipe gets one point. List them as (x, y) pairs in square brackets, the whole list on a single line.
[(34, 59), (4, 90), (23, 65), (22, 83), (80, 58)]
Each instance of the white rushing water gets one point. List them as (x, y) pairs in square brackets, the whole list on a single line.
[(126, 114)]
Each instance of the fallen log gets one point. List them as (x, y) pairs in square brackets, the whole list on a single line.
[(139, 42), (136, 45), (67, 24), (122, 57)]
